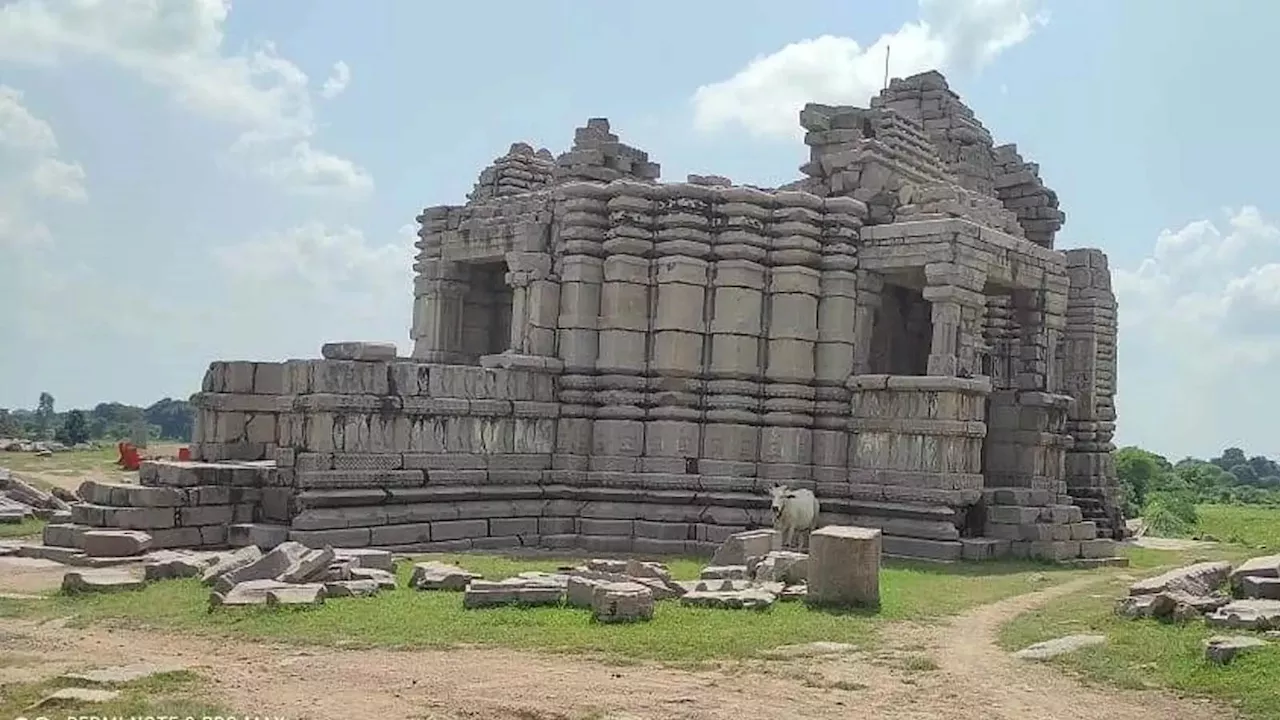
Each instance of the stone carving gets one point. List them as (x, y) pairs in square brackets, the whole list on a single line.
[(607, 361)]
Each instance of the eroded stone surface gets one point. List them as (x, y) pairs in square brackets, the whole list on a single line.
[(746, 599), (1197, 580), (362, 351), (1223, 649), (1050, 649), (1252, 614), (103, 580), (116, 543), (621, 602), (844, 567), (513, 591), (440, 576)]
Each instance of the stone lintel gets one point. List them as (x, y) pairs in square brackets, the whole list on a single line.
[(920, 383)]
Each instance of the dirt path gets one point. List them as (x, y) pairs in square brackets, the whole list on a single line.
[(972, 678)]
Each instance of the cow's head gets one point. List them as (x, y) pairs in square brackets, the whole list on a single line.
[(779, 495)]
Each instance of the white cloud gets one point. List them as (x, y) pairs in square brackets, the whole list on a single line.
[(30, 170), (765, 97), (287, 292), (1200, 338), (337, 81), (178, 45)]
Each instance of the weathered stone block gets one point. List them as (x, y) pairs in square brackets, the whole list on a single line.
[(844, 567), (116, 543), (621, 602)]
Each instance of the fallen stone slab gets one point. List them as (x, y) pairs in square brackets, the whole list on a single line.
[(820, 648), (351, 588), (106, 580), (384, 579), (362, 351), (642, 569), (231, 562), (1252, 614), (662, 589), (1050, 649), (270, 565), (440, 576), (579, 591), (1198, 579), (308, 567), (13, 516), (1223, 649), (367, 558), (251, 592), (1260, 588), (512, 591), (792, 593), (80, 695), (116, 543), (621, 603), (739, 546), (606, 565), (305, 594), (781, 566), (169, 565), (723, 572), (748, 599), (122, 673), (1267, 566)]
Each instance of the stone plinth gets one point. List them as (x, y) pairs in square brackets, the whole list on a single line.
[(844, 567)]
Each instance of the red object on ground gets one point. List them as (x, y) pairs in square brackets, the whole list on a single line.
[(129, 458), (184, 454)]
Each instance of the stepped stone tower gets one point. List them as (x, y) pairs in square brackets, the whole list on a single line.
[(604, 361)]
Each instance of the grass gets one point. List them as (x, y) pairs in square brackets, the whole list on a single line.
[(1255, 526), (63, 463), (406, 618), (1146, 654), (25, 529), (173, 694)]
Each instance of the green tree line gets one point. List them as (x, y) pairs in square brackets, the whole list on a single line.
[(1166, 494), (165, 419)]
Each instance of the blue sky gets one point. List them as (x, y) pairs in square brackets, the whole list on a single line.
[(187, 180)]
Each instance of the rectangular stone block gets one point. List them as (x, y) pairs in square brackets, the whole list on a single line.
[(844, 567), (458, 529)]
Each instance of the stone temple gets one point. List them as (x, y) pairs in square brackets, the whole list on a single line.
[(607, 362)]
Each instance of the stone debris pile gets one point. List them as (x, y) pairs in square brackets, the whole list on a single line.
[(20, 500), (293, 574), (522, 170), (1244, 597)]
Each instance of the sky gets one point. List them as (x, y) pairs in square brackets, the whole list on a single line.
[(190, 180)]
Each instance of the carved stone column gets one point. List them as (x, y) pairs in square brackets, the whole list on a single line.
[(535, 309), (439, 292), (955, 293)]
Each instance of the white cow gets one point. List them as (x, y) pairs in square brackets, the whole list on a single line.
[(794, 511)]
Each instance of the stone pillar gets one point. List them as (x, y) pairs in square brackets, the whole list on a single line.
[(618, 431), (870, 285), (1088, 360), (786, 440), (844, 567), (731, 433), (955, 293), (439, 299), (837, 338), (583, 215), (673, 436), (535, 303)]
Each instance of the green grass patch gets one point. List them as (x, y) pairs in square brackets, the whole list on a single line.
[(25, 529), (406, 618), (1255, 526), (1146, 654), (67, 462), (168, 694)]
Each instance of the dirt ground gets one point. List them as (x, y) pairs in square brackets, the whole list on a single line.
[(968, 678)]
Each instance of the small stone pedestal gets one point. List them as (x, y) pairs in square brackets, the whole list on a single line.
[(844, 567)]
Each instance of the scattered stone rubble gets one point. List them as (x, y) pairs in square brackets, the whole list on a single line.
[(19, 500), (1240, 598)]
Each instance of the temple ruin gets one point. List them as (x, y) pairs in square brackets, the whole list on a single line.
[(607, 362)]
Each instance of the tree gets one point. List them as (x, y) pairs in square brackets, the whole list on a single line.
[(1138, 470), (76, 428), (1244, 474), (9, 426), (1231, 457), (44, 415), (174, 418)]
